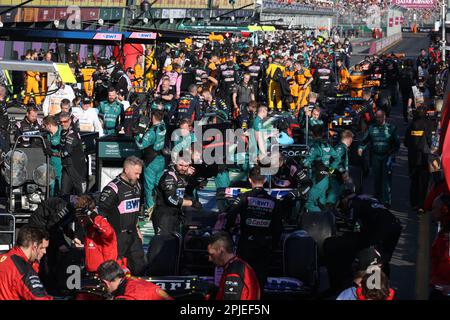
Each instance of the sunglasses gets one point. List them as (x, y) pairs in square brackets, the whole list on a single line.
[(65, 121)]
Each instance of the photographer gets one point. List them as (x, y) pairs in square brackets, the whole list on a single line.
[(100, 241)]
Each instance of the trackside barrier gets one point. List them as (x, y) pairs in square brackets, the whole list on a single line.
[(383, 44)]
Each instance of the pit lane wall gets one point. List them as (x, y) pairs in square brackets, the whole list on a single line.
[(394, 22), (384, 43)]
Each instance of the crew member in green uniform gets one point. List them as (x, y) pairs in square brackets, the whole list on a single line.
[(184, 137), (111, 111), (54, 137), (319, 159), (258, 144), (384, 142), (152, 142), (341, 173)]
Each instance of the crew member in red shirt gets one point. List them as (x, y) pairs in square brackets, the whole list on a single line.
[(100, 242), (239, 281), (440, 251), (124, 288), (19, 267)]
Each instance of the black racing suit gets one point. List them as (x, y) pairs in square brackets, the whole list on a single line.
[(260, 229), (120, 203), (255, 71), (228, 78), (291, 175), (406, 82), (25, 128), (324, 84), (73, 162), (390, 79), (418, 141), (379, 228), (168, 215)]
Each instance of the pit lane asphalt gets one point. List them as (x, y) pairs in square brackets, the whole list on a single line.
[(410, 262)]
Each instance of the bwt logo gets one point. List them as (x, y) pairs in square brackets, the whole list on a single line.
[(132, 204)]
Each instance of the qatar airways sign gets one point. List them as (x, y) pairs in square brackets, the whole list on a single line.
[(416, 4)]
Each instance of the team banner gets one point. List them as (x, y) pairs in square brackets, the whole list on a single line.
[(180, 4), (225, 4), (415, 4), (66, 3)]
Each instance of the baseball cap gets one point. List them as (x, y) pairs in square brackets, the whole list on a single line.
[(121, 92), (366, 258)]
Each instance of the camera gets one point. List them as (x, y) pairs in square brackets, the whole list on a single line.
[(142, 125)]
